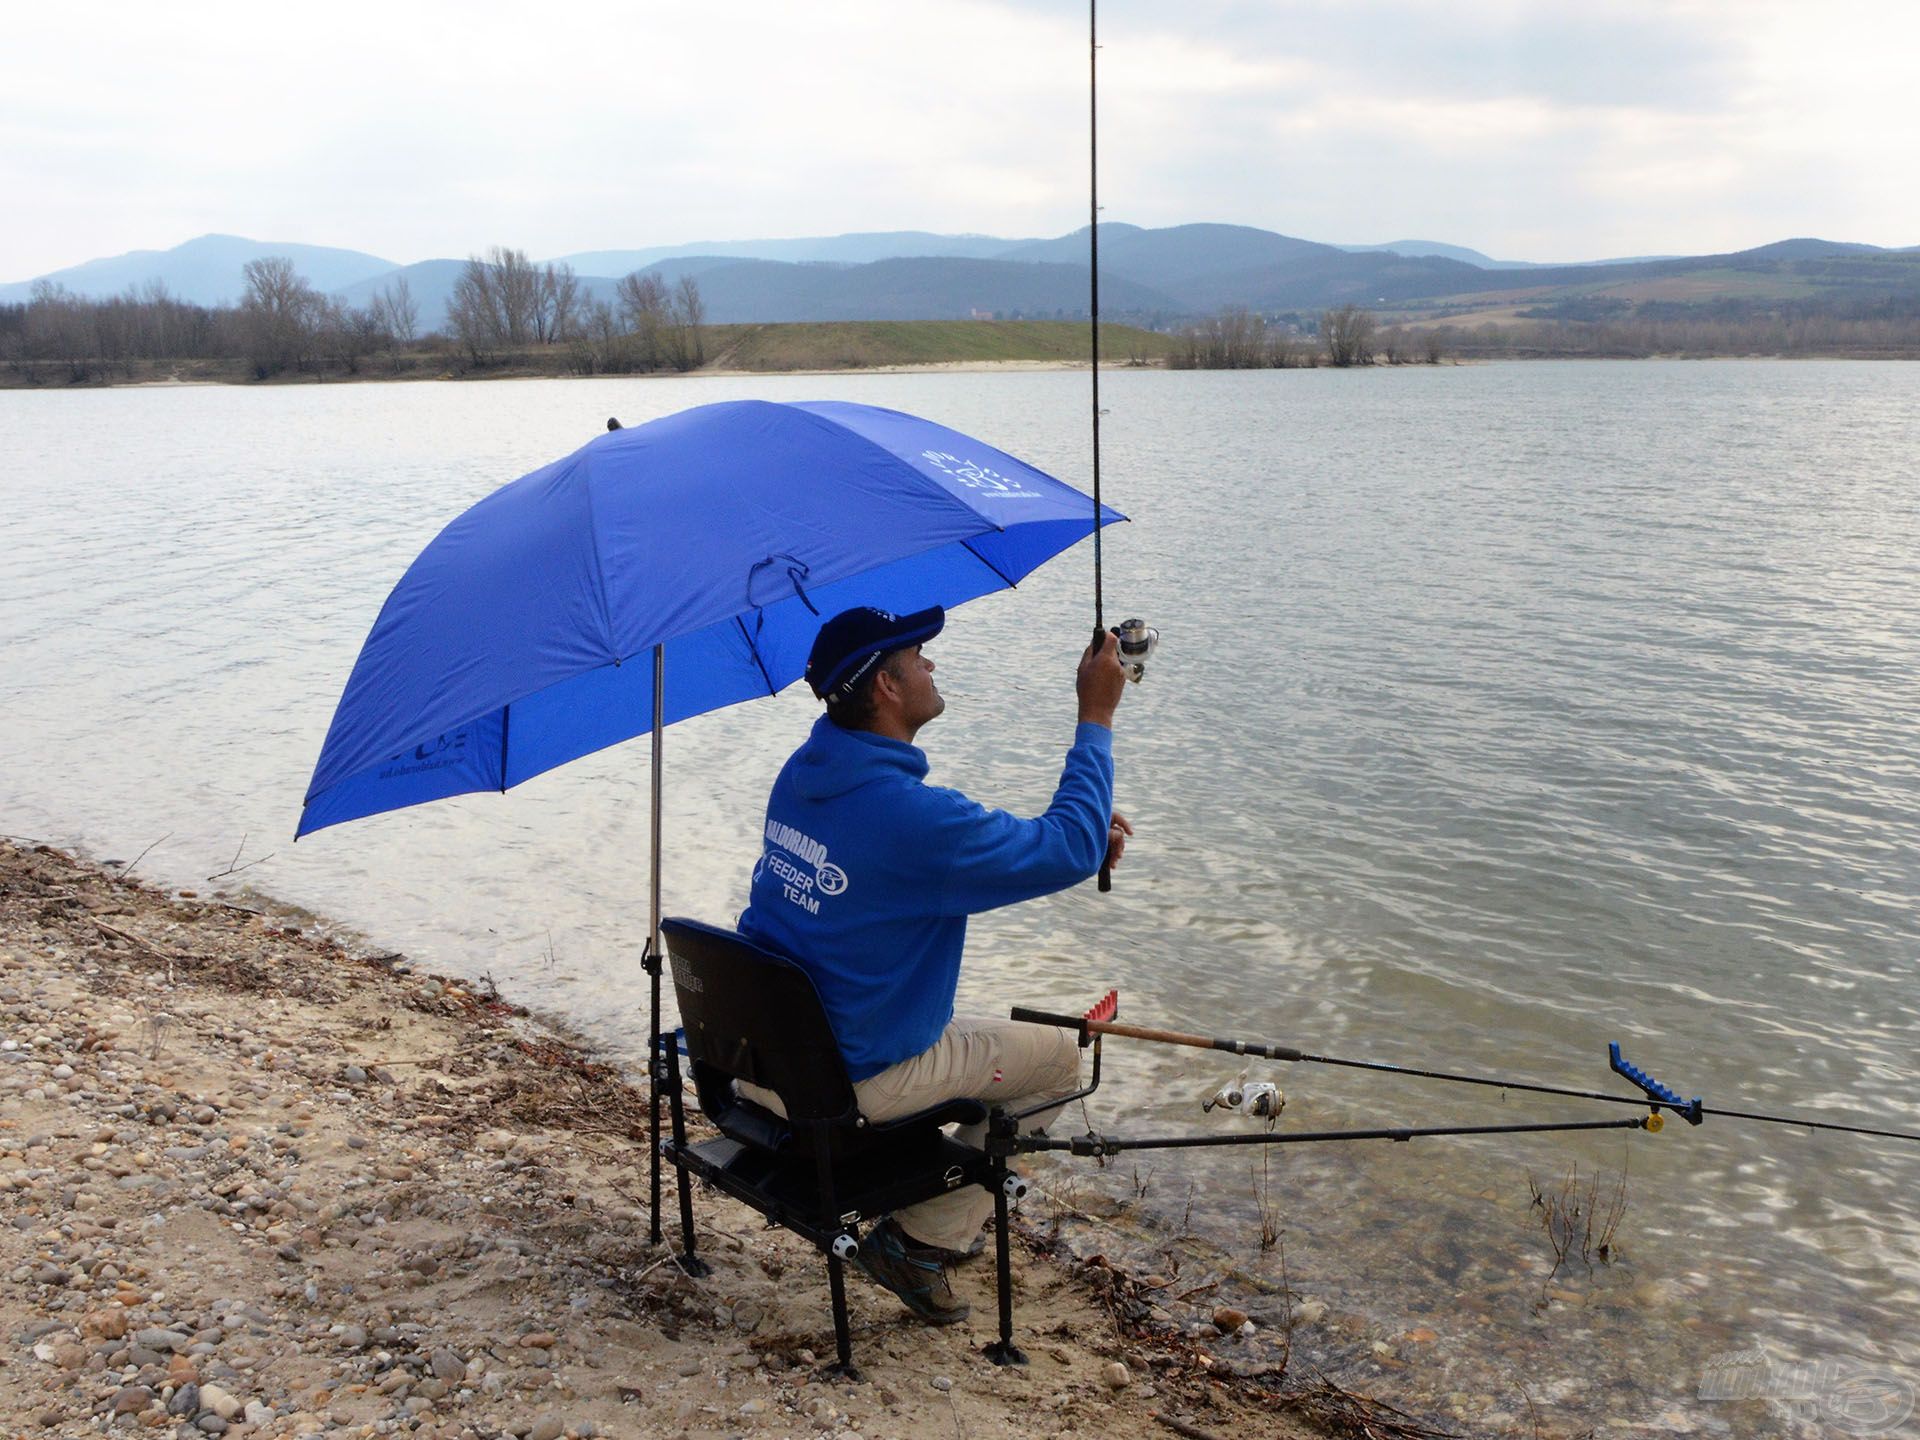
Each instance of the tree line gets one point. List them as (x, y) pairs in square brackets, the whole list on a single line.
[(1886, 327), (1881, 329), (504, 310), (1344, 336)]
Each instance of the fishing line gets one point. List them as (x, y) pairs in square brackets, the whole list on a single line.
[(1093, 271)]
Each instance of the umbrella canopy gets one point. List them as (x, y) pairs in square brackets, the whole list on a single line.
[(725, 534)]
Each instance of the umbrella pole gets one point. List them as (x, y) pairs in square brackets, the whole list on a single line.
[(654, 956)]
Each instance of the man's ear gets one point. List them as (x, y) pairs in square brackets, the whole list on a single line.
[(885, 684)]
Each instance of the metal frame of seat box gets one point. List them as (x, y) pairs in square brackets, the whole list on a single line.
[(822, 1170)]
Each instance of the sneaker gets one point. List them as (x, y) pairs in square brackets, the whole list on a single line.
[(942, 1256), (919, 1281)]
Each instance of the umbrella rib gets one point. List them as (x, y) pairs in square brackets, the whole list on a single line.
[(506, 724), (1011, 583), (754, 651)]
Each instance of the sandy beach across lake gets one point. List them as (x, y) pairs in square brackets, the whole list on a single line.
[(255, 1184)]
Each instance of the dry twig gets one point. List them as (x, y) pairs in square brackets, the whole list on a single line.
[(234, 867), (165, 956), (127, 870), (1347, 1416)]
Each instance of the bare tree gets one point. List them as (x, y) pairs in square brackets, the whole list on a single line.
[(643, 310), (559, 305), (398, 311), (689, 316), (518, 284), (281, 312), (476, 313), (598, 344), (59, 327), (1347, 334)]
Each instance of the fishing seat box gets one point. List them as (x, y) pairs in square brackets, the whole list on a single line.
[(822, 1170)]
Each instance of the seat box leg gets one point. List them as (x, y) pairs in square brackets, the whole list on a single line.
[(842, 1330), (1003, 1351), (690, 1264)]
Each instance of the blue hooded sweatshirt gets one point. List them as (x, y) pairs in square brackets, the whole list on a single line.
[(868, 874)]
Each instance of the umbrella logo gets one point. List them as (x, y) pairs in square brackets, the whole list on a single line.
[(975, 476)]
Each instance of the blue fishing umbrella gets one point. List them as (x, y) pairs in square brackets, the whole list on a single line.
[(714, 541)]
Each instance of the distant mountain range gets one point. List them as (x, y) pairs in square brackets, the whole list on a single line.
[(1157, 275)]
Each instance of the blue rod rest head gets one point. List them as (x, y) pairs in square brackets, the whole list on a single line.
[(1692, 1111)]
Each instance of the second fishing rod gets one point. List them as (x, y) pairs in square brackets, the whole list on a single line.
[(1654, 1096)]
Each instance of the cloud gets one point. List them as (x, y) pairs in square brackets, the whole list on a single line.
[(1534, 130)]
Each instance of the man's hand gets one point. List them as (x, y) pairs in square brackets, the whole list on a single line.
[(1100, 681), (1117, 834)]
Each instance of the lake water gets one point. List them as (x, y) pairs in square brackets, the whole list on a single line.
[(1503, 711)]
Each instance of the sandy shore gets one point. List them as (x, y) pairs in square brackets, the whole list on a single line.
[(252, 1184)]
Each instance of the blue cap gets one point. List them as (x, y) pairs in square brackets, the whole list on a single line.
[(852, 643)]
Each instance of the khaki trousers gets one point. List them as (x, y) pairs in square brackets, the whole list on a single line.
[(1003, 1062)]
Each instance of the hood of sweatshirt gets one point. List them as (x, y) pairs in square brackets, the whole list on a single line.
[(837, 762)]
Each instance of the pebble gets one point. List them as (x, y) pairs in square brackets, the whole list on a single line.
[(689, 1366), (1115, 1375), (547, 1427), (1311, 1312), (447, 1365), (539, 1340), (212, 1424), (185, 1400), (223, 1405), (131, 1399), (257, 1412), (1227, 1320), (942, 1383)]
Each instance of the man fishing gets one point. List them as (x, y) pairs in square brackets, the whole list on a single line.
[(866, 879)]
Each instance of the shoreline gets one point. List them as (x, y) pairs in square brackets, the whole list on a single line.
[(425, 374), (257, 1184), (507, 375)]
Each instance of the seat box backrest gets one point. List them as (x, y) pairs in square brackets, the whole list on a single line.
[(755, 1016)]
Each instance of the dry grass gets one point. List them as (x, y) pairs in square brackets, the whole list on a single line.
[(1580, 1219)]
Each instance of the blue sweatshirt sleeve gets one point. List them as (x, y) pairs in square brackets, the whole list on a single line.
[(994, 858)]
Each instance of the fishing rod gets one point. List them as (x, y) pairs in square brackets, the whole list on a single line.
[(1004, 1127), (1656, 1097), (1138, 640)]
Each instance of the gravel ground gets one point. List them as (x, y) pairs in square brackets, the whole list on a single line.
[(252, 1184)]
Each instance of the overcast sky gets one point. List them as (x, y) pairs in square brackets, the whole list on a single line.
[(1523, 128)]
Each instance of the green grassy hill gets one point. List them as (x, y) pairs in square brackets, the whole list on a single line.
[(866, 344)]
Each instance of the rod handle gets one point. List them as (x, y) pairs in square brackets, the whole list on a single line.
[(1106, 878), (1045, 1017)]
